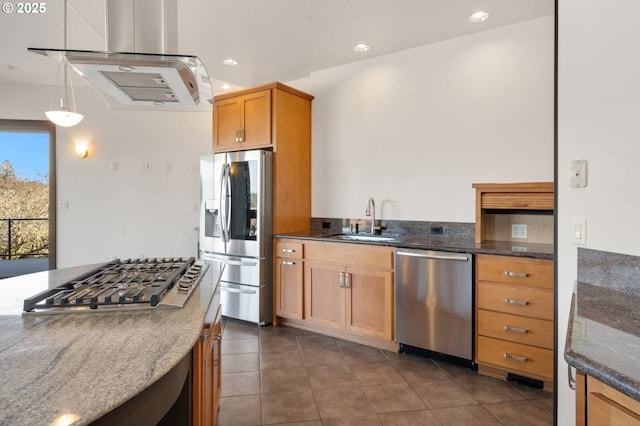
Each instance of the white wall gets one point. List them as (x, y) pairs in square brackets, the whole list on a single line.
[(415, 129), (124, 212), (599, 88)]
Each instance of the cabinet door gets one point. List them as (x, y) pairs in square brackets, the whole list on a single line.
[(228, 118), (257, 119), (324, 295), (607, 406), (369, 302), (243, 122), (199, 376), (289, 274), (216, 374)]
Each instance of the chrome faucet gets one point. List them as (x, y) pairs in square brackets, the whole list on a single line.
[(371, 211)]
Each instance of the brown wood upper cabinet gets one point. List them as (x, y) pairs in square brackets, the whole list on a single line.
[(277, 117), (243, 122), (265, 116), (501, 205)]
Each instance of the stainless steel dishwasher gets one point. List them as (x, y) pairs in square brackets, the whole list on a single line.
[(434, 304)]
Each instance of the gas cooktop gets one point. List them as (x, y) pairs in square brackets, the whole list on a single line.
[(123, 285)]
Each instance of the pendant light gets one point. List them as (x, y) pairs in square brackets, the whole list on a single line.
[(65, 115)]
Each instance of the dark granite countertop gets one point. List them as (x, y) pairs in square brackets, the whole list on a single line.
[(603, 337), (431, 242)]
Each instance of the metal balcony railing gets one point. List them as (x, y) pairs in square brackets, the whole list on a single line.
[(24, 238)]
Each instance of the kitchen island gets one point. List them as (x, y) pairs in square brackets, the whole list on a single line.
[(76, 368), (603, 336)]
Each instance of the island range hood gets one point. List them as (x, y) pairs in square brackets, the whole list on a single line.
[(127, 75)]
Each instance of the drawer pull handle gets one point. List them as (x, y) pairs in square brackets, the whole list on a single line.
[(288, 251), (516, 302), (288, 263), (515, 357), (341, 279), (515, 329), (516, 274)]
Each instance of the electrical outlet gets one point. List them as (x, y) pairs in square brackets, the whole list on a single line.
[(519, 230)]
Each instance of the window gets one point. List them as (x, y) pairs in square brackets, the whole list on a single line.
[(27, 189)]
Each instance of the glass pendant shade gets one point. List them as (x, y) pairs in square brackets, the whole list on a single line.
[(65, 115)]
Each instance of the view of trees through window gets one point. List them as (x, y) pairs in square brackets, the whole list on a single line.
[(24, 195)]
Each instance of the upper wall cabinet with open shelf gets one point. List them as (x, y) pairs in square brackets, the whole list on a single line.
[(517, 212)]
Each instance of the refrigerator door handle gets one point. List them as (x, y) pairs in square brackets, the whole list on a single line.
[(225, 206), (229, 260), (236, 290)]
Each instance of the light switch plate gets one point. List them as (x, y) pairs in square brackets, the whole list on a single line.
[(579, 230), (578, 173)]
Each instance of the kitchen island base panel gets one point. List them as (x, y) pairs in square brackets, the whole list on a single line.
[(166, 402), (363, 340)]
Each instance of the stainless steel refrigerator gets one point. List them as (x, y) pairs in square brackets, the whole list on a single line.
[(236, 229)]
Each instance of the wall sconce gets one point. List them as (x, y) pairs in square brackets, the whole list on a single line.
[(82, 149)]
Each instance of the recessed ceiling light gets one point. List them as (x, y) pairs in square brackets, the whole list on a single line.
[(230, 62), (479, 16), (361, 47), (225, 86)]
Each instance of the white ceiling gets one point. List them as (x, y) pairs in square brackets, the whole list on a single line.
[(273, 40)]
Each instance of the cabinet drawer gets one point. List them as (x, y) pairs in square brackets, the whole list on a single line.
[(515, 357), (288, 249), (514, 328), (515, 300), (517, 271), (359, 255)]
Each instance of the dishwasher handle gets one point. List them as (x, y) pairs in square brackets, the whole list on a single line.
[(434, 256)]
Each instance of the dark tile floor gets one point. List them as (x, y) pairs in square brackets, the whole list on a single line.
[(282, 375)]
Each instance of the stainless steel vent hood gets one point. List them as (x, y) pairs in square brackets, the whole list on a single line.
[(127, 75)]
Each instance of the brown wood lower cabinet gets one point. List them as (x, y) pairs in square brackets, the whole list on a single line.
[(601, 405), (358, 300), (326, 286), (514, 318), (288, 279), (207, 373)]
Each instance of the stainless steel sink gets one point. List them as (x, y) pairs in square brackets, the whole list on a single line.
[(368, 237)]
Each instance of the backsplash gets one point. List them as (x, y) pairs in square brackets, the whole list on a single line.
[(450, 230), (616, 271)]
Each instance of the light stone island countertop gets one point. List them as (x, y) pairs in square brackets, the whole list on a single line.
[(71, 369)]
